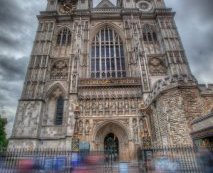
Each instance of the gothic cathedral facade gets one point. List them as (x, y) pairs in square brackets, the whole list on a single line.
[(113, 70)]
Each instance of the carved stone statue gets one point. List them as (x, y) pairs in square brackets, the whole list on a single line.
[(135, 130), (80, 127), (87, 127)]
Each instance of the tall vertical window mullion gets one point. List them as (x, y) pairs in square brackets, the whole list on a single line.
[(95, 56), (59, 111), (105, 51), (110, 55), (107, 54), (100, 55), (115, 52), (63, 37), (120, 56), (149, 35)]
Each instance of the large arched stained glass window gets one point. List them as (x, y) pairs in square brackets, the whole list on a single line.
[(107, 55)]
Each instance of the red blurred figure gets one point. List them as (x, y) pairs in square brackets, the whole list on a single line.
[(92, 164), (25, 166)]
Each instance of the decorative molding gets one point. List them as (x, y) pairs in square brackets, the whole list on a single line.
[(109, 82)]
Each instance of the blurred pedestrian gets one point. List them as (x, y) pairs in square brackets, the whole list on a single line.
[(25, 166), (205, 159)]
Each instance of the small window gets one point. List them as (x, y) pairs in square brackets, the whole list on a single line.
[(59, 111), (52, 2), (64, 37), (51, 27), (40, 28), (149, 35)]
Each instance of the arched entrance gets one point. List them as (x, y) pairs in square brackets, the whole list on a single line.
[(111, 146), (112, 137)]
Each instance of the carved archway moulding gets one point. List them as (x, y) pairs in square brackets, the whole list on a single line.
[(116, 127), (114, 26), (53, 87)]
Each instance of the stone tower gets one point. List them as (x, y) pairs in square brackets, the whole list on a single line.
[(107, 71)]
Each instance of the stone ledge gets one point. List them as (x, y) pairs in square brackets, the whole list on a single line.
[(207, 132), (170, 82), (199, 119)]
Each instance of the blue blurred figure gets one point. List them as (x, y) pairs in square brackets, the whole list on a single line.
[(123, 168), (205, 159)]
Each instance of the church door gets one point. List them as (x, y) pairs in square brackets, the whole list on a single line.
[(111, 147)]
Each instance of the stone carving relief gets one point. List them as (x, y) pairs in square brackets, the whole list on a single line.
[(169, 82), (74, 74), (28, 118), (80, 127), (52, 131), (109, 92), (135, 130), (22, 144), (157, 66), (87, 127), (100, 107), (59, 70), (144, 127)]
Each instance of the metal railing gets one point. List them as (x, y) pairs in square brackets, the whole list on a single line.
[(178, 159), (171, 159), (55, 160)]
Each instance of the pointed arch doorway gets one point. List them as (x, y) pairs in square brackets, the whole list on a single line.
[(112, 137), (111, 146)]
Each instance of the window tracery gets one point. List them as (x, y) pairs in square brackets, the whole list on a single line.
[(59, 111), (149, 35), (64, 37), (107, 55)]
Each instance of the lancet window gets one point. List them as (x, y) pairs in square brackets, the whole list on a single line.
[(107, 55), (149, 35), (59, 111), (64, 37)]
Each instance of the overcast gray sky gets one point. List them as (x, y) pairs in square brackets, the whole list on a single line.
[(18, 25)]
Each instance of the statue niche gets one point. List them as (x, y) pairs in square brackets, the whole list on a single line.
[(157, 66), (59, 70)]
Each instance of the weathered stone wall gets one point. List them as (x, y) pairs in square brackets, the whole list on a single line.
[(170, 119), (23, 143), (193, 105), (203, 123), (196, 104), (174, 109), (207, 103), (27, 119)]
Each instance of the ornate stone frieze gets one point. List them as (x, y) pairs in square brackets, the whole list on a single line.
[(110, 82), (168, 83), (109, 92), (109, 107)]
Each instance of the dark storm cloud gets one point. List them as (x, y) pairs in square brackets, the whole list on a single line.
[(18, 25), (12, 69), (12, 73), (10, 12), (195, 24), (12, 22)]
